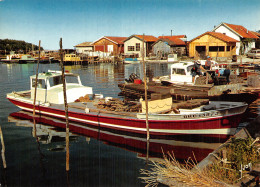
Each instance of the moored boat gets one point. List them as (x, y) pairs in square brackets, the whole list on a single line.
[(131, 61), (181, 73), (181, 85), (12, 58), (26, 59), (219, 118)]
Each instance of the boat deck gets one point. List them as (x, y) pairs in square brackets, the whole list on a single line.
[(226, 108), (81, 107), (77, 106)]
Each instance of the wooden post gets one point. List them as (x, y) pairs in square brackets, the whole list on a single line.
[(217, 55), (3, 148), (145, 95), (66, 108), (35, 90)]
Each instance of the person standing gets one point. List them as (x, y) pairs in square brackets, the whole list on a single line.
[(227, 74), (208, 63), (196, 70)]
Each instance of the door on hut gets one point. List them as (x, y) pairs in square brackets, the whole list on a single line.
[(201, 52)]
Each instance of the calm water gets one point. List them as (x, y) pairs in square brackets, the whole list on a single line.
[(97, 158)]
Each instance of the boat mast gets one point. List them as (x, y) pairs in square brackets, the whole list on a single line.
[(145, 95)]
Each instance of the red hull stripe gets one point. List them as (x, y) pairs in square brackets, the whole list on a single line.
[(214, 125)]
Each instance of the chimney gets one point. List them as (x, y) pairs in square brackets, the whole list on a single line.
[(246, 31), (171, 33)]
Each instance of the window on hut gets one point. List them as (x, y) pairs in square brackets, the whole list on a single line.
[(137, 46), (216, 48), (131, 48), (228, 48)]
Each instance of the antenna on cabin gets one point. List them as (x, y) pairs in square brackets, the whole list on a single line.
[(171, 32)]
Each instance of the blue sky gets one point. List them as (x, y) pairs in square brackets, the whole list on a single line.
[(77, 21)]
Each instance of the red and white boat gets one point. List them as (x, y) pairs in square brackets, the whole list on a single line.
[(222, 120)]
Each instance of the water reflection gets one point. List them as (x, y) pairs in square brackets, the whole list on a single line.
[(49, 131)]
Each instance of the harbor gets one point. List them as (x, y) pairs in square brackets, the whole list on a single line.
[(128, 144), (146, 108)]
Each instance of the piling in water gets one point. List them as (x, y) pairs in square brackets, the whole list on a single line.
[(66, 108), (3, 148), (35, 90)]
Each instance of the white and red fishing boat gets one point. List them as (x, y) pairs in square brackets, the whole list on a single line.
[(216, 119)]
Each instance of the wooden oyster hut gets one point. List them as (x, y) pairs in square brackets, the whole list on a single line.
[(212, 44)]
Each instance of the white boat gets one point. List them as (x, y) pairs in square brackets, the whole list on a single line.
[(12, 58), (131, 61), (26, 59), (172, 58), (181, 73)]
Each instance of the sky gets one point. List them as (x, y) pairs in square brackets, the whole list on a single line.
[(77, 21)]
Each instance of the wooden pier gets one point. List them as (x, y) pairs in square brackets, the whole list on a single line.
[(231, 92)]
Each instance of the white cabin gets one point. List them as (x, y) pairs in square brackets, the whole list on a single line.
[(50, 87), (181, 72)]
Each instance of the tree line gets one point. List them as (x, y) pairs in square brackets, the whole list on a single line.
[(18, 46)]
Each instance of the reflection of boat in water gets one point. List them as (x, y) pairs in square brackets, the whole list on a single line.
[(131, 60), (45, 134), (182, 148)]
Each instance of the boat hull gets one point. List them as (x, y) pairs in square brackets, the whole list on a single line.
[(211, 126), (182, 148)]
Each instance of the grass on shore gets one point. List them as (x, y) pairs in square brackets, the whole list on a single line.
[(224, 171)]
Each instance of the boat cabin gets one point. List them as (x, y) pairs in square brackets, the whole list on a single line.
[(181, 72), (172, 58), (50, 87)]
